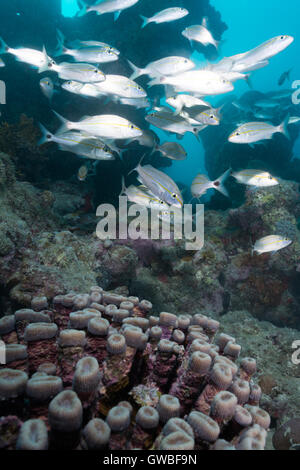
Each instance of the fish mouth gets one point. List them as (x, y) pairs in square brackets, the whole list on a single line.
[(178, 204)]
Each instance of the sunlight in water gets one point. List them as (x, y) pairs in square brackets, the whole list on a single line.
[(69, 8)]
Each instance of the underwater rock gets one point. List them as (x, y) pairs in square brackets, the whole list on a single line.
[(152, 377), (287, 437)]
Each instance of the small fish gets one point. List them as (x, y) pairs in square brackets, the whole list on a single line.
[(122, 87), (172, 150), (106, 6), (160, 184), (47, 87), (257, 178), (199, 82), (200, 33), (2, 64), (271, 244), (107, 126), (179, 102), (209, 117), (258, 57), (29, 56), (142, 196), (147, 139), (202, 184), (284, 77), (168, 122), (136, 102), (79, 143), (81, 72), (83, 173), (252, 132), (172, 65), (77, 44), (294, 119), (93, 54), (266, 104), (165, 16), (82, 89)]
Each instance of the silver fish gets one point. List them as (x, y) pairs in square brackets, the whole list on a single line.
[(79, 143), (172, 150), (294, 119), (257, 178), (47, 87), (121, 86), (141, 195), (107, 126), (201, 184), (91, 54), (209, 117), (165, 16), (29, 56), (107, 6), (78, 44), (83, 173), (160, 184), (147, 139), (81, 72), (82, 89), (172, 65), (179, 102), (198, 82), (170, 123), (271, 244), (252, 132), (200, 33)]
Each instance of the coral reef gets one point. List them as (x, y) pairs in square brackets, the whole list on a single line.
[(157, 382)]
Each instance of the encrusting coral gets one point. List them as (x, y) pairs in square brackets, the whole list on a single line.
[(96, 378)]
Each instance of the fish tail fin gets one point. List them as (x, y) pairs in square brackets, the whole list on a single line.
[(137, 72), (145, 21), (3, 46), (46, 135), (65, 123), (219, 183), (178, 110), (283, 128), (248, 80), (44, 67), (138, 165), (83, 8), (123, 186), (60, 46)]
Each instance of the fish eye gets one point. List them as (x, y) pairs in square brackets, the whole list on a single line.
[(211, 116), (48, 136), (195, 129), (161, 202), (174, 195), (185, 61), (237, 133), (50, 64), (281, 37), (131, 127)]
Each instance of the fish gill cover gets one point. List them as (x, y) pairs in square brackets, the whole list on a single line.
[(167, 103)]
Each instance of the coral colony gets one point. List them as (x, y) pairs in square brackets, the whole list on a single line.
[(99, 371)]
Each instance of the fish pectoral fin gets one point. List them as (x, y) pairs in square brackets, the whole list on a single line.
[(117, 14)]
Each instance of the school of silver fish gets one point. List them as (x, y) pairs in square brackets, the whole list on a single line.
[(187, 87)]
